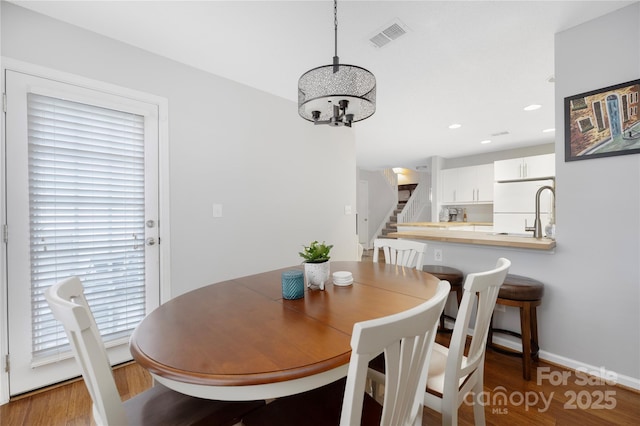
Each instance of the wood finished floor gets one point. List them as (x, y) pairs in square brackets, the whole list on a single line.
[(70, 404)]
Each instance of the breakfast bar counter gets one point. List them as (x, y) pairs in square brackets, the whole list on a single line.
[(477, 238)]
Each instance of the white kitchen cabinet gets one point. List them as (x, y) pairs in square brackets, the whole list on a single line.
[(467, 185), (484, 183), (534, 167), (449, 179)]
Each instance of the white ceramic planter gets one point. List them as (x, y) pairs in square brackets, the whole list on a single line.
[(317, 274)]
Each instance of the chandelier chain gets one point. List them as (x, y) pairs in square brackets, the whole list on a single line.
[(335, 25)]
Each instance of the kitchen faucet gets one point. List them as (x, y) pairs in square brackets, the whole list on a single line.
[(537, 225)]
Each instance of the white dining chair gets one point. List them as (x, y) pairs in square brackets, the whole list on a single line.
[(155, 406), (400, 252), (406, 339), (451, 374)]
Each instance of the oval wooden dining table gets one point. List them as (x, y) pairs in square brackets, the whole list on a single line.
[(240, 340)]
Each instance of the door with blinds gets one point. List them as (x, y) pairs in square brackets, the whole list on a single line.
[(82, 199)]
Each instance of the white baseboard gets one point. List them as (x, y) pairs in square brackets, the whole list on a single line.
[(600, 372)]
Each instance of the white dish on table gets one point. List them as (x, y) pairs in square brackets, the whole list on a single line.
[(342, 278)]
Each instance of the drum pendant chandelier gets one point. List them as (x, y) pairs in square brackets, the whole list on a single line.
[(336, 94)]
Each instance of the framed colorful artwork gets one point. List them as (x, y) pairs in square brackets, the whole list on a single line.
[(603, 122)]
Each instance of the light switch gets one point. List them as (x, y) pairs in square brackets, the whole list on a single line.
[(217, 210), (347, 210)]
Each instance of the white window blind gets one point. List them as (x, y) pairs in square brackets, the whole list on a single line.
[(86, 202)]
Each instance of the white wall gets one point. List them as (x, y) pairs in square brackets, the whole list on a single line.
[(282, 181), (598, 255)]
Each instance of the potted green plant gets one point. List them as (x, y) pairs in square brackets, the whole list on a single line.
[(316, 263)]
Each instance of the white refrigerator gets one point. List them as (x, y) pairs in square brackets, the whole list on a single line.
[(514, 205)]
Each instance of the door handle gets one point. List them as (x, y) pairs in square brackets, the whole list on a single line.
[(150, 241)]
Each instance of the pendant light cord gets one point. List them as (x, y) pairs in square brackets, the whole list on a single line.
[(335, 36), (335, 24)]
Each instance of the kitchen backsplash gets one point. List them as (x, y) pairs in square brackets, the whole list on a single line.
[(475, 213)]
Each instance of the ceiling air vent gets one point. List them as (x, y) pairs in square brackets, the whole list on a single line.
[(389, 33), (379, 40)]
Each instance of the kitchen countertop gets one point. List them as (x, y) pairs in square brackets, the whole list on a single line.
[(477, 238), (444, 224)]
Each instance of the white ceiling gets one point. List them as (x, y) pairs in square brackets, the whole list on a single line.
[(477, 63)]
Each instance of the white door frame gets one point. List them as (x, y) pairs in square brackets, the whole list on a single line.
[(164, 198), (362, 208)]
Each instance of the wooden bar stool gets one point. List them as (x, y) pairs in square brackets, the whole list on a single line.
[(524, 293), (455, 278)]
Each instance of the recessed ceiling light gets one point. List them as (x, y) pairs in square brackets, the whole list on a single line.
[(486, 141), (548, 130), (532, 107), (455, 126)]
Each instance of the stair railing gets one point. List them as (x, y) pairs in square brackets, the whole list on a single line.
[(392, 178), (414, 205)]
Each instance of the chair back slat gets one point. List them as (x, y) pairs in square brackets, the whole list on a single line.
[(400, 252), (406, 339)]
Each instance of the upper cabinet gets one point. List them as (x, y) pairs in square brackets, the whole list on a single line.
[(534, 167), (466, 185), (484, 183), (449, 179)]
